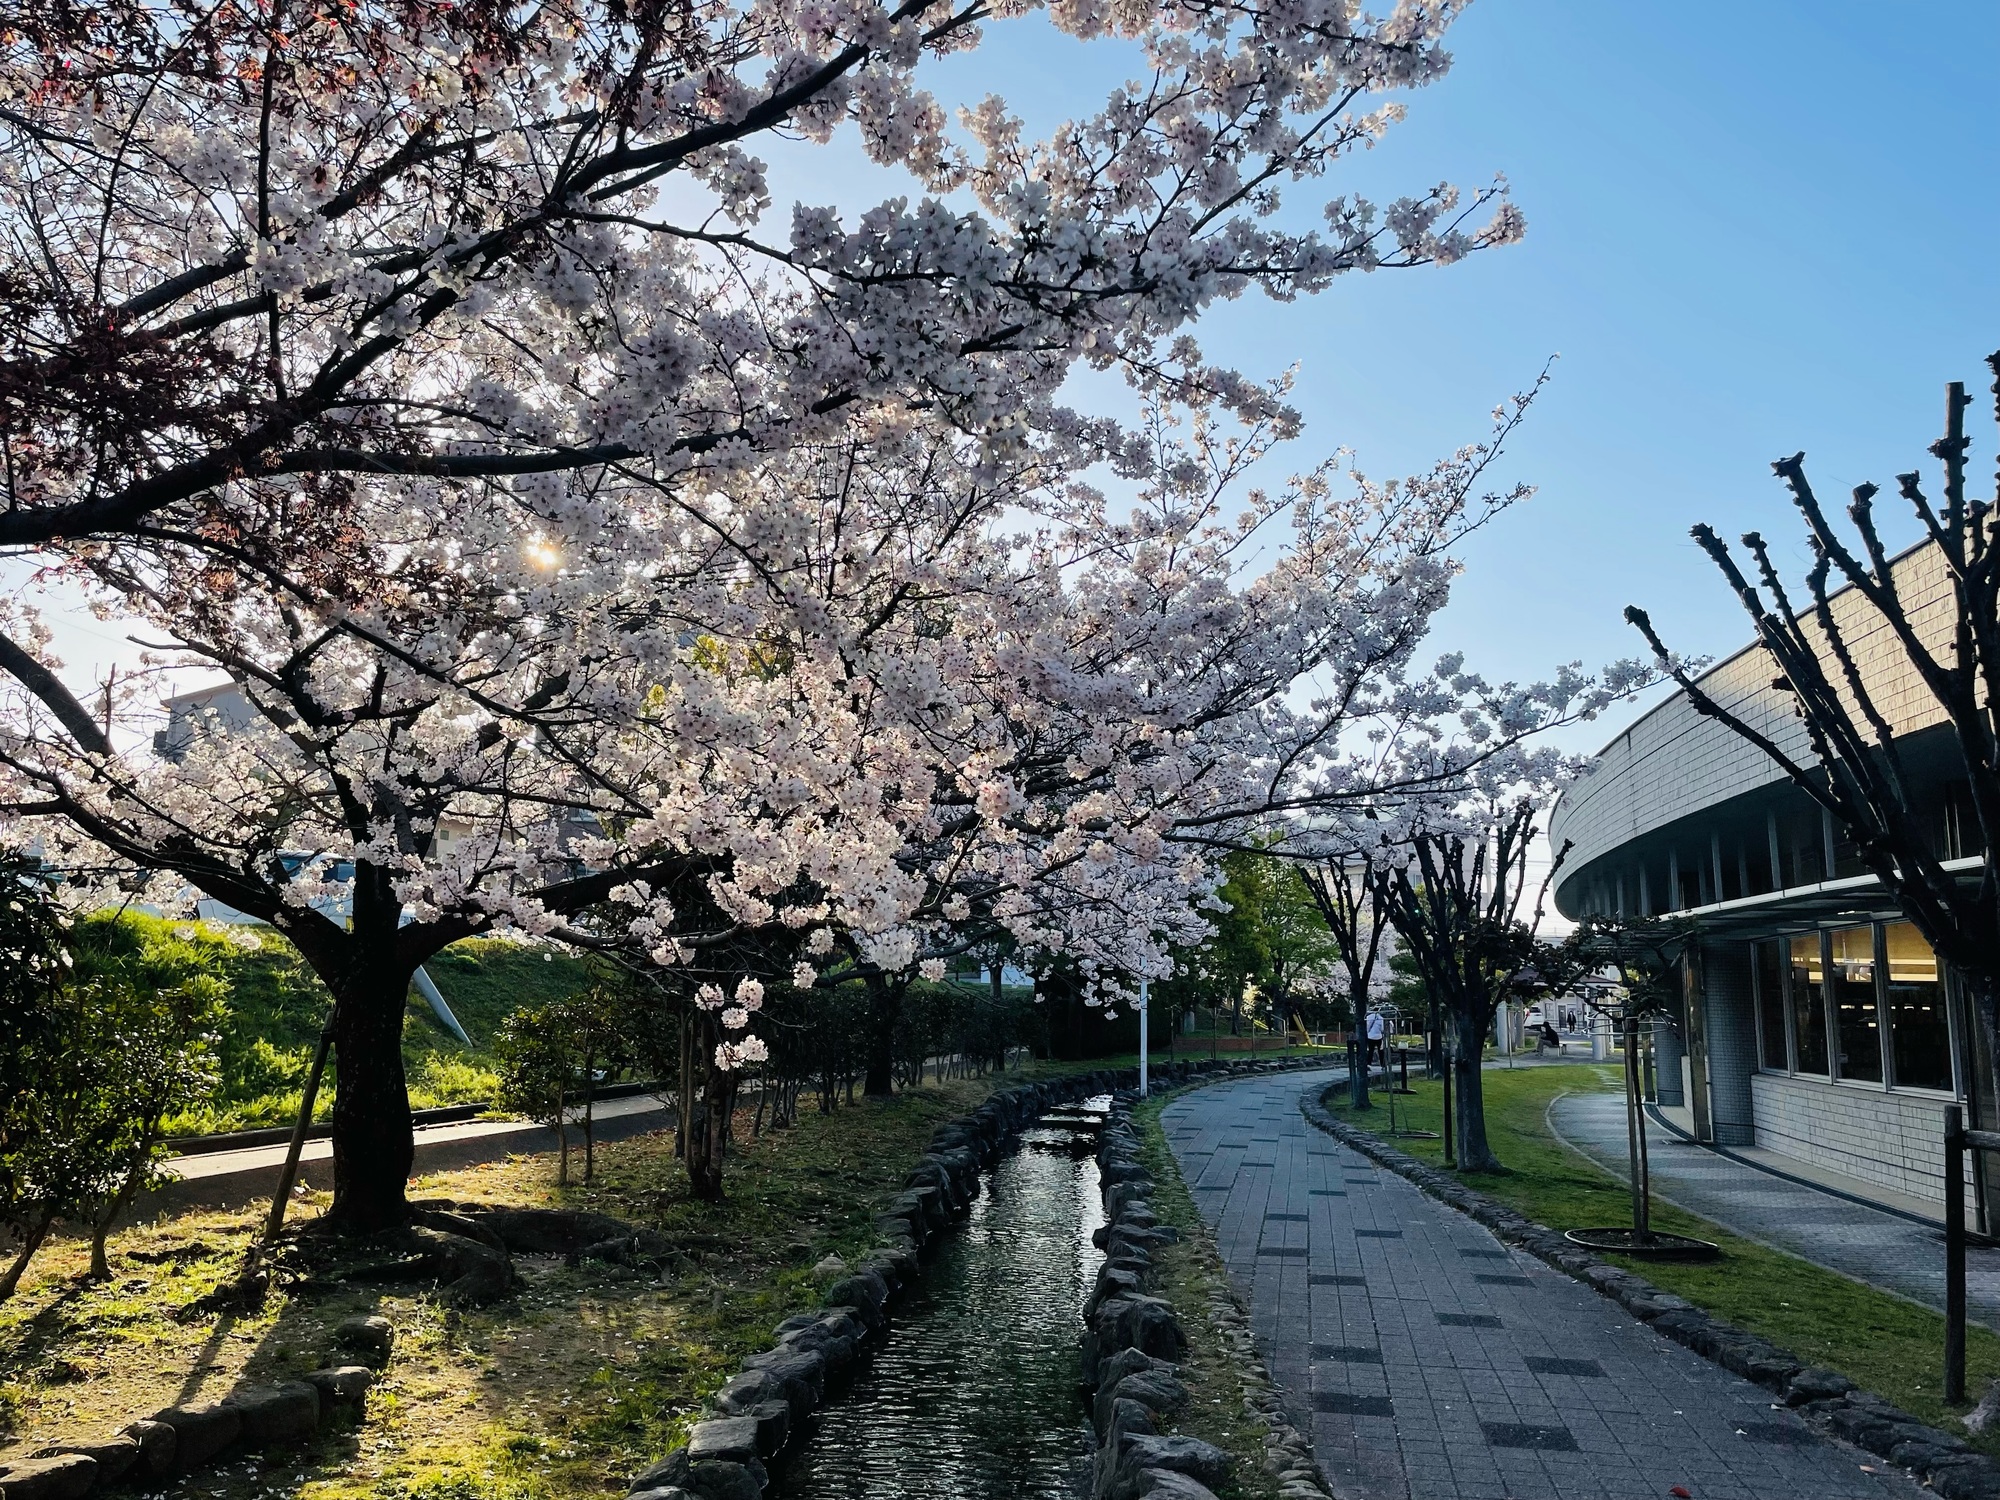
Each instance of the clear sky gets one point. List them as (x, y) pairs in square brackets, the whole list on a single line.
[(1752, 229)]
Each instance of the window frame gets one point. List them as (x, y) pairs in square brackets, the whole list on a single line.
[(1948, 997), (1830, 1001), (1777, 946)]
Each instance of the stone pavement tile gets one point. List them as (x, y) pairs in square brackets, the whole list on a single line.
[(1523, 1384), (1854, 1239)]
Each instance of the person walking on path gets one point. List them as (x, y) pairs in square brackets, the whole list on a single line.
[(1376, 1052)]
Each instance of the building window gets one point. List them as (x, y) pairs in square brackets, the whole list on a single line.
[(1857, 1015), (1919, 1030), (1808, 992), (1770, 971)]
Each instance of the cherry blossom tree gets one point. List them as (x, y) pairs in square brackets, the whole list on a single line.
[(869, 696), (260, 256), (431, 373)]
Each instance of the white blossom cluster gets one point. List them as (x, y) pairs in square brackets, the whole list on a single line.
[(872, 700), (602, 557), (466, 240)]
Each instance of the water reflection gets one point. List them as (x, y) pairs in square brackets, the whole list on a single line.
[(974, 1397)]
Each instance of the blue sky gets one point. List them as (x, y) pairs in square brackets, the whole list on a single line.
[(1751, 229)]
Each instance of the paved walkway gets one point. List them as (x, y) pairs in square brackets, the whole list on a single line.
[(1882, 1249), (1435, 1364), (225, 1179)]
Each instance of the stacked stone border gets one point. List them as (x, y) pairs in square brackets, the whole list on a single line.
[(765, 1409), (181, 1439), (1823, 1397), (1133, 1344)]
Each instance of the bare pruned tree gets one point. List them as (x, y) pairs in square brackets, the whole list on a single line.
[(1347, 889), (1456, 905), (1944, 618)]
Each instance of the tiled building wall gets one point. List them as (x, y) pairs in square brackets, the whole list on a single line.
[(1732, 1041), (1674, 762), (1894, 1140)]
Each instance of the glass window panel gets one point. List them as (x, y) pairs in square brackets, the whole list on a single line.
[(1856, 1015), (1771, 1005), (1808, 1004), (1919, 1032)]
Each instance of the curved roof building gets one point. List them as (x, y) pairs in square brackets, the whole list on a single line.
[(1819, 1033)]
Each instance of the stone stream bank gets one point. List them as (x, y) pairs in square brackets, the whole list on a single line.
[(1134, 1341), (763, 1417)]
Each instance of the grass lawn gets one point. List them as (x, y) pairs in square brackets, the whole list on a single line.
[(559, 1392), (1879, 1341), (276, 1006)]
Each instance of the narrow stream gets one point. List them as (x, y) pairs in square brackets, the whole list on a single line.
[(974, 1396)]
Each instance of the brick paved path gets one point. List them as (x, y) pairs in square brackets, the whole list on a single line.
[(1435, 1364), (1880, 1248)]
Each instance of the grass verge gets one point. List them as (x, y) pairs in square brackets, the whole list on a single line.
[(1881, 1342), (1189, 1274), (584, 1377)]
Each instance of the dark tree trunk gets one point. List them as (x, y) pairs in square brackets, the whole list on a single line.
[(373, 1144), (589, 1115), (100, 1229), (1635, 1127), (31, 1241), (1357, 1000), (708, 1141), (684, 1097), (1474, 1155), (1984, 990), (885, 1011)]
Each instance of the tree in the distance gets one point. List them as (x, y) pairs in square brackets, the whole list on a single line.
[(1303, 953), (1940, 606), (1646, 955), (1347, 889), (538, 1063)]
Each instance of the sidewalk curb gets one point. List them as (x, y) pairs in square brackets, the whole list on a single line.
[(1826, 1399)]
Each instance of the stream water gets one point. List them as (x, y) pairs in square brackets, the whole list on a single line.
[(974, 1396)]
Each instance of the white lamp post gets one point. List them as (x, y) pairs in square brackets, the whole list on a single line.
[(1142, 1036)]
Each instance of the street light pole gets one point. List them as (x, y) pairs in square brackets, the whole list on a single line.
[(1142, 1036)]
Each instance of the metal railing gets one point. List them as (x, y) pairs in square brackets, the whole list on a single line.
[(1957, 1141)]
